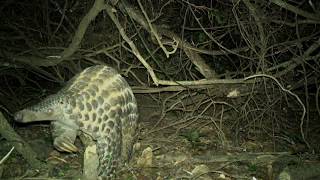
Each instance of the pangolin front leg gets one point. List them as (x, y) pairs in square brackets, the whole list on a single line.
[(64, 137)]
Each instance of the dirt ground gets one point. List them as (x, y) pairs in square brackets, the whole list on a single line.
[(167, 148)]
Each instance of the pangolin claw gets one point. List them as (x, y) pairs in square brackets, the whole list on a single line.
[(67, 147)]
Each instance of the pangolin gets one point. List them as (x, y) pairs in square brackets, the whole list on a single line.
[(97, 102)]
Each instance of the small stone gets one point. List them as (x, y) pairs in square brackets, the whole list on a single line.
[(145, 160)]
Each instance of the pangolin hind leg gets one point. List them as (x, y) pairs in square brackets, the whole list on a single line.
[(90, 157)]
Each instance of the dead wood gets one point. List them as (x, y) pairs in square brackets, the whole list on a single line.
[(19, 144)]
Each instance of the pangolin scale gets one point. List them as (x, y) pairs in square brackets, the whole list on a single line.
[(97, 102)]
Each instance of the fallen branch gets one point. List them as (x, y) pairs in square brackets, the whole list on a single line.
[(155, 33), (189, 50), (97, 7), (17, 142)]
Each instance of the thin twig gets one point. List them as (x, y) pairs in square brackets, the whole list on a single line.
[(155, 33), (296, 10), (291, 93), (6, 156)]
